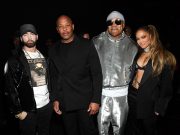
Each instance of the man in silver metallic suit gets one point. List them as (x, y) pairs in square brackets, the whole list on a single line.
[(116, 51)]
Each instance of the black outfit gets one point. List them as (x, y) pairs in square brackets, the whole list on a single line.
[(20, 95), (77, 81), (153, 95)]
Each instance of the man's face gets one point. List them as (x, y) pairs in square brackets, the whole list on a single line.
[(115, 27), (65, 28), (29, 39)]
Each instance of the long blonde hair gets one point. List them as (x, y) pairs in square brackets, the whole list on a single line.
[(158, 54)]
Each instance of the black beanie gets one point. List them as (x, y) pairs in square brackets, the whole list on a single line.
[(27, 28)]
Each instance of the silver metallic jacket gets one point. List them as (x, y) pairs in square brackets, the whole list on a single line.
[(116, 58)]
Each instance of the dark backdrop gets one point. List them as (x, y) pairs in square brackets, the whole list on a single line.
[(89, 16)]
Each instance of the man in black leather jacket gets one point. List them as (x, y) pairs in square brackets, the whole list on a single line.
[(28, 86)]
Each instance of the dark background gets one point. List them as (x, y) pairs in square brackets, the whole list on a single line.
[(90, 16)]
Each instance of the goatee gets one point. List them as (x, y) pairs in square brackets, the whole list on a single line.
[(30, 45)]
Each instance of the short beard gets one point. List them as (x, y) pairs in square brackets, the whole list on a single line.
[(30, 45)]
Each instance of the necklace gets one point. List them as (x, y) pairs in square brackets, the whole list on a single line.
[(31, 56), (36, 59), (147, 49)]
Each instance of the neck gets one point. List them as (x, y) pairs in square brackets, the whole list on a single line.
[(116, 38), (33, 49), (147, 49), (68, 40)]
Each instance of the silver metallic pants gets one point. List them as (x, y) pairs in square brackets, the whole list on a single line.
[(113, 110)]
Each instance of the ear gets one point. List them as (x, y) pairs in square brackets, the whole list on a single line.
[(57, 29), (21, 39), (37, 37), (123, 25), (73, 26)]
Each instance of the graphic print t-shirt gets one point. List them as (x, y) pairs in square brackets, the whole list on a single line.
[(38, 71), (37, 65)]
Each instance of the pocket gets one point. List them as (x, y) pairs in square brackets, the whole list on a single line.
[(26, 116)]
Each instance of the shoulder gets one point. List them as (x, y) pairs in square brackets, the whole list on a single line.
[(54, 47), (166, 68), (131, 44), (82, 42), (12, 59), (99, 37), (130, 41), (167, 72), (11, 62), (56, 44)]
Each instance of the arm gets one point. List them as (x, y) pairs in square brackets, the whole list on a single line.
[(96, 74), (165, 93), (11, 90), (55, 82)]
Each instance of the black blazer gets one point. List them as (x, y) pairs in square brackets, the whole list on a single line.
[(154, 92), (76, 74)]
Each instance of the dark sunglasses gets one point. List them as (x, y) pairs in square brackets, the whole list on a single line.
[(117, 22)]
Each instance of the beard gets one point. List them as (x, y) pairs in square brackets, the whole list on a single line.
[(30, 43)]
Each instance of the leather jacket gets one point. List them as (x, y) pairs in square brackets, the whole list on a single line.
[(19, 91)]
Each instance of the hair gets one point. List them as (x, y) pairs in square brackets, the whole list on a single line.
[(159, 55), (170, 60), (63, 16)]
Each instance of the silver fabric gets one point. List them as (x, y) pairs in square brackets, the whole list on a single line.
[(114, 110), (116, 57)]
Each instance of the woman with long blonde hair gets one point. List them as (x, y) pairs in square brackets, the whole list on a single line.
[(151, 87)]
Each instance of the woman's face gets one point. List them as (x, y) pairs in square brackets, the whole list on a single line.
[(143, 38)]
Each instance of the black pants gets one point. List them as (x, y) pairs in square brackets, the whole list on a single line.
[(37, 122), (136, 126), (79, 123)]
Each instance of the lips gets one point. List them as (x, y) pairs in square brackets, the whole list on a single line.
[(30, 41), (65, 33)]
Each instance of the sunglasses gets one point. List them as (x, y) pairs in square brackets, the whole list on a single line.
[(117, 22)]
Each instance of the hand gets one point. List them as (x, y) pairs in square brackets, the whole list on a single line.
[(21, 115), (156, 113), (56, 107), (93, 108)]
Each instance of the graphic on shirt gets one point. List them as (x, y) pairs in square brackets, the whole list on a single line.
[(38, 71)]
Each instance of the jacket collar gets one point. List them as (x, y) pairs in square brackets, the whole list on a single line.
[(115, 40)]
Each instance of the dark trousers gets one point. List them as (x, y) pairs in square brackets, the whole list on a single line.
[(37, 122), (146, 126), (79, 123), (135, 126)]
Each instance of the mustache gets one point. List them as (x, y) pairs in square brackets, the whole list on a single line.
[(30, 43)]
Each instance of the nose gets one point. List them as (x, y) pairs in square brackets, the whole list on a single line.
[(113, 23), (64, 27), (139, 42), (29, 36)]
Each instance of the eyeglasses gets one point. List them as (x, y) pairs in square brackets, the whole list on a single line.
[(117, 22)]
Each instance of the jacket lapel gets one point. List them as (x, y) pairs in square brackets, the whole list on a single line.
[(147, 72), (25, 64)]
